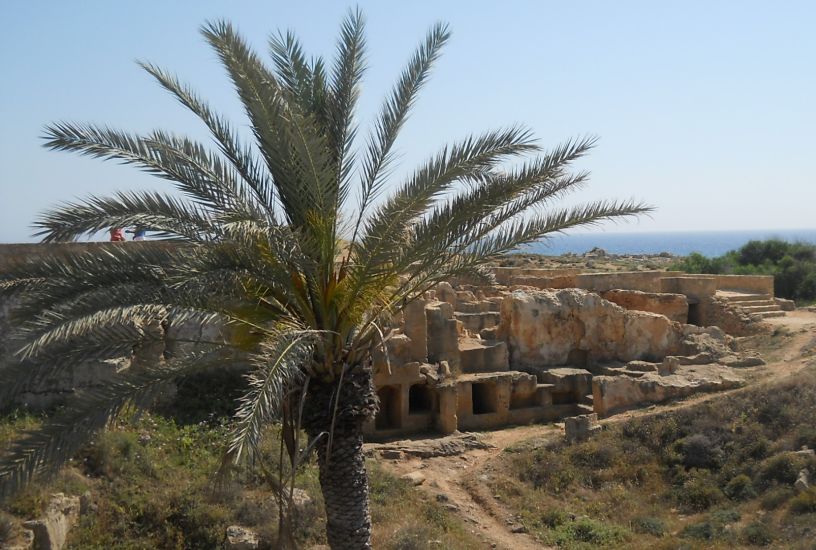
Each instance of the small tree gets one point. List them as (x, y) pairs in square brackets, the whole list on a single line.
[(288, 241)]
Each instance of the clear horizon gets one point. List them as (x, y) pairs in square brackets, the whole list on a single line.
[(703, 110)]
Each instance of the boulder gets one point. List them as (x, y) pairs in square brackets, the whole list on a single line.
[(581, 428), (51, 530)]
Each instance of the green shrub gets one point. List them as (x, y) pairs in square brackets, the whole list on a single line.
[(698, 451), (704, 530), (649, 526), (776, 497), (725, 516), (757, 533), (740, 488), (698, 493), (804, 502), (554, 517), (591, 532), (782, 468)]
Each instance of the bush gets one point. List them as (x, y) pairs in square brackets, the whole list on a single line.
[(776, 497), (782, 468), (698, 451), (793, 265), (698, 493), (704, 531), (758, 534), (554, 517), (589, 531), (740, 488), (649, 526), (804, 502)]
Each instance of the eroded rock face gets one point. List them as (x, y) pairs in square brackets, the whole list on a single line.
[(615, 393), (572, 326), (51, 531), (673, 306)]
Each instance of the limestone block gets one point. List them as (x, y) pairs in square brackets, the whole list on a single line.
[(416, 328), (241, 538), (581, 427), (51, 530), (549, 327), (445, 293), (673, 306), (785, 305), (443, 334), (447, 420), (642, 366), (482, 356), (614, 393)]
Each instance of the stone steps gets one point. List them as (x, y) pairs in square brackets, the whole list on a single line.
[(760, 307), (756, 305), (769, 314), (736, 298)]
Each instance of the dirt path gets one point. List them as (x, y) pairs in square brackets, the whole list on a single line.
[(459, 481)]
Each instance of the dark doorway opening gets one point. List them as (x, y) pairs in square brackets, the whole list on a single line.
[(420, 399), (694, 314), (484, 398), (390, 408)]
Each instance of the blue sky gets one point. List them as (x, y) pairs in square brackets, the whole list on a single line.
[(706, 110)]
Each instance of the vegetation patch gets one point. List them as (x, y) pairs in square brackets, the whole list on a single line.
[(793, 266), (720, 473)]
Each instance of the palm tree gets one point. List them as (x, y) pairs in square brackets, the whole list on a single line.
[(298, 244)]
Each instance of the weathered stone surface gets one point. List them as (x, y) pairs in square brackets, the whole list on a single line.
[(581, 427), (785, 305), (673, 306), (614, 393), (745, 360), (241, 538), (51, 530), (550, 327), (443, 341)]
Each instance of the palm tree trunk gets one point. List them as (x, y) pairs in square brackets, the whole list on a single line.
[(339, 432)]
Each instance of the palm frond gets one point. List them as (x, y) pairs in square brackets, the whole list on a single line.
[(379, 152), (173, 218), (347, 73), (277, 365), (241, 157)]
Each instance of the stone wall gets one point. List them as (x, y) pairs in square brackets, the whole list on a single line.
[(673, 306)]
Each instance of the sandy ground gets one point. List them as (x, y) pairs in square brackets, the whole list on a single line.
[(459, 481)]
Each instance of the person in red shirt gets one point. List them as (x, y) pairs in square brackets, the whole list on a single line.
[(117, 234)]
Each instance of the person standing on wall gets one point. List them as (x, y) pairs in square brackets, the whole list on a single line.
[(116, 234)]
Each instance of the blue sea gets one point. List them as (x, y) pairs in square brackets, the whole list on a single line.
[(707, 243)]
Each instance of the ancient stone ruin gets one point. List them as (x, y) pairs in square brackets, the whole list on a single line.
[(539, 345)]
